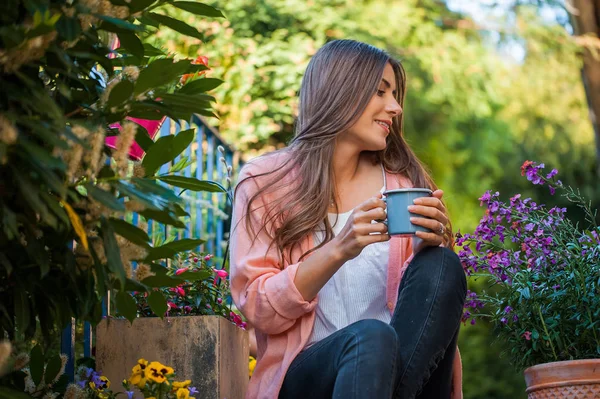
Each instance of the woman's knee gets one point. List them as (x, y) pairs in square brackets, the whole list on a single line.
[(374, 335), (443, 262)]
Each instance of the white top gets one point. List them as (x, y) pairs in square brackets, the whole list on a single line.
[(356, 291)]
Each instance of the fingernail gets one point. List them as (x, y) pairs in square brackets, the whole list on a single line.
[(411, 208), (413, 220), (417, 201)]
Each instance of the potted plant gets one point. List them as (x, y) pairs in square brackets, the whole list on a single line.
[(197, 332), (544, 277)]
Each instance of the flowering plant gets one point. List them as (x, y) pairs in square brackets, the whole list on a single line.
[(67, 89), (152, 379), (544, 273), (192, 286)]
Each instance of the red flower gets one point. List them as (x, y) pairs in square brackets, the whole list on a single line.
[(200, 60), (171, 305), (180, 291), (527, 335), (525, 166), (182, 270)]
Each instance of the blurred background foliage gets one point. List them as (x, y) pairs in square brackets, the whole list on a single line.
[(474, 110)]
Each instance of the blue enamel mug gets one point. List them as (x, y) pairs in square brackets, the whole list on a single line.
[(398, 216)]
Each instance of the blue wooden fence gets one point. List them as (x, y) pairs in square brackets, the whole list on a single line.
[(207, 211)]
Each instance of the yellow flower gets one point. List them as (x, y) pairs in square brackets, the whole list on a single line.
[(183, 393), (251, 366), (158, 372), (181, 384), (138, 377)]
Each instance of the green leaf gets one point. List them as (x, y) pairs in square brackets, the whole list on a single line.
[(164, 217), (68, 28), (52, 369), (36, 364), (105, 198), (191, 183), (200, 86), (126, 305), (22, 310), (198, 8), (120, 93), (195, 275), (151, 51), (130, 232), (176, 25), (139, 5), (158, 303), (112, 250), (149, 200), (117, 25), (165, 149), (160, 72), (143, 138), (132, 43), (170, 249)]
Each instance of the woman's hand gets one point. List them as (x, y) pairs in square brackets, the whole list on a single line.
[(357, 233), (435, 220)]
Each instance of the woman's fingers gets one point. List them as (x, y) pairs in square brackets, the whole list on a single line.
[(371, 203), (430, 212), (432, 239), (372, 214), (431, 224)]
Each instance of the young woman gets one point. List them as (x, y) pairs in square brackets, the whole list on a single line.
[(340, 309)]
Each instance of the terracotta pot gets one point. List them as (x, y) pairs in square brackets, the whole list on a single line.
[(570, 379)]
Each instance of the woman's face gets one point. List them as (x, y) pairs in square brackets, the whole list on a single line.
[(369, 133)]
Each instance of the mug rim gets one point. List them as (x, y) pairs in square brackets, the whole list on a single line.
[(408, 190)]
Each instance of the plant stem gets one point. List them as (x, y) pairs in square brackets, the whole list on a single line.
[(547, 334)]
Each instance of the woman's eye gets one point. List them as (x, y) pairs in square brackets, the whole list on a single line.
[(380, 93)]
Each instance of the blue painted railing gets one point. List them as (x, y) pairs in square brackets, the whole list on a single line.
[(206, 210)]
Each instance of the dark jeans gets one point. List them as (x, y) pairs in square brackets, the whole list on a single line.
[(411, 356)]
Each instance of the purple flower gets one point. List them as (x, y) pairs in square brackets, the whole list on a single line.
[(508, 309), (552, 173), (129, 394), (555, 287), (193, 390), (504, 320)]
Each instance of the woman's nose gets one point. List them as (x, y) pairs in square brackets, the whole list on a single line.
[(393, 108)]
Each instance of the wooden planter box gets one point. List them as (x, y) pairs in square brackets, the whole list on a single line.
[(209, 350)]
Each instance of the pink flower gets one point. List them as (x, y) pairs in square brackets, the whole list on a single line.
[(182, 270), (180, 291), (195, 259), (219, 300), (527, 335), (171, 305), (208, 257), (220, 273), (187, 309), (208, 306)]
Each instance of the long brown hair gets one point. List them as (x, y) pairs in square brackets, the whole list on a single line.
[(339, 82)]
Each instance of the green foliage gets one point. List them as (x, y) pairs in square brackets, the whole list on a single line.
[(64, 241)]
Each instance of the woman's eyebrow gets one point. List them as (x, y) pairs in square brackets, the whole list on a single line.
[(387, 84)]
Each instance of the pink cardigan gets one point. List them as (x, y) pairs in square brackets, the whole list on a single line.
[(265, 293)]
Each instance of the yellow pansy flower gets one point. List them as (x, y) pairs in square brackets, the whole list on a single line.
[(183, 393), (181, 384), (251, 365), (158, 372)]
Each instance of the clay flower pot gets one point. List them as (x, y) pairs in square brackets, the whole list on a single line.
[(568, 379)]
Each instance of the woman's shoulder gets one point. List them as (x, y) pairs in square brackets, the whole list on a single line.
[(265, 163)]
